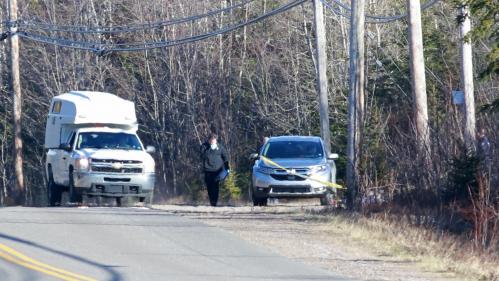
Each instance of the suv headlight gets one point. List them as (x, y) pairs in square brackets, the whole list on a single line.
[(318, 169), (264, 170), (83, 164)]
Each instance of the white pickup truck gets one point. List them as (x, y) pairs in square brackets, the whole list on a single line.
[(93, 149)]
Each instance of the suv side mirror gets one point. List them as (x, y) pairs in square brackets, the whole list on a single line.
[(65, 147), (150, 149), (333, 156), (253, 156)]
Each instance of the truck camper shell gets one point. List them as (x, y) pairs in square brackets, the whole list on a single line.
[(80, 109)]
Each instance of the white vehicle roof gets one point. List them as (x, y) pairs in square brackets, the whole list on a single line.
[(85, 107), (104, 129)]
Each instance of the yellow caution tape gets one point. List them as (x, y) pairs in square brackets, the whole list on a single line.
[(326, 183)]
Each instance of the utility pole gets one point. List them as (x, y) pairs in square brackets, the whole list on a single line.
[(320, 50), (17, 99), (467, 77), (355, 96), (418, 79)]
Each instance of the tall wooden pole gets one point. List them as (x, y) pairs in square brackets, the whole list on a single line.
[(467, 78), (17, 99), (320, 48), (418, 79), (356, 96)]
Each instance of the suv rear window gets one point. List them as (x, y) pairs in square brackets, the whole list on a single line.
[(293, 149)]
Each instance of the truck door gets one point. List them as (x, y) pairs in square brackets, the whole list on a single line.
[(53, 161), (66, 160)]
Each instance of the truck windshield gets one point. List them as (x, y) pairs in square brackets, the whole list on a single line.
[(293, 149), (104, 140)]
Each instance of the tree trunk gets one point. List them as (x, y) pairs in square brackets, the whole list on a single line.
[(356, 96), (418, 79), (320, 51), (467, 78), (16, 86)]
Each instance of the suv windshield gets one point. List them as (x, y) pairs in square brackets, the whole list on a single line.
[(103, 140), (293, 149)]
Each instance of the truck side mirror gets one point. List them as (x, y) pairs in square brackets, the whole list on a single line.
[(253, 156), (65, 147), (333, 156), (150, 149)]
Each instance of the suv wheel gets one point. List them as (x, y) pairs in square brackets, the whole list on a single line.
[(54, 191), (257, 201), (74, 195), (263, 201), (328, 199)]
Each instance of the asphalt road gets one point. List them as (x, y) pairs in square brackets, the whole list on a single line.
[(131, 244)]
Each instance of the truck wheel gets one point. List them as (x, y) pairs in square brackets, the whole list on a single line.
[(54, 191), (147, 200), (74, 195), (123, 201)]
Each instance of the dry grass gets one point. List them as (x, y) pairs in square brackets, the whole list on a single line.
[(434, 251)]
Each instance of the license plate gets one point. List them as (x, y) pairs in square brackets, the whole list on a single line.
[(114, 189)]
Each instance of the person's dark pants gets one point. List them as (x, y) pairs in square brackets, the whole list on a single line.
[(210, 178)]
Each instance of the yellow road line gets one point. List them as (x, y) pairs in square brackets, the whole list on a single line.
[(34, 267), (326, 183), (15, 257)]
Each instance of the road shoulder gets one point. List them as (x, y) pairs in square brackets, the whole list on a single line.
[(293, 232)]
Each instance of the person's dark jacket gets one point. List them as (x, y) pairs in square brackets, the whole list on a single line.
[(214, 159)]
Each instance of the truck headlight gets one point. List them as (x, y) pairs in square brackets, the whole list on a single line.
[(149, 167), (83, 164)]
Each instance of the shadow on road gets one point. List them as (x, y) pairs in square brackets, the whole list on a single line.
[(114, 275)]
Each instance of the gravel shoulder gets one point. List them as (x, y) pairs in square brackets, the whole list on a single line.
[(301, 233)]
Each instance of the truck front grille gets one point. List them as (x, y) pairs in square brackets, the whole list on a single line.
[(124, 170), (113, 161)]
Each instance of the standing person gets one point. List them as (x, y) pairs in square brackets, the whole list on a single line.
[(483, 150), (214, 160)]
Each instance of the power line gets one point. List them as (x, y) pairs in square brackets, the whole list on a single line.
[(375, 19), (335, 10), (36, 25), (104, 48)]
